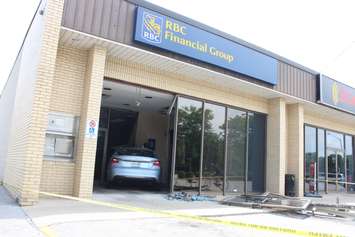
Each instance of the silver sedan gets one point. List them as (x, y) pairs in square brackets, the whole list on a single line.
[(133, 163)]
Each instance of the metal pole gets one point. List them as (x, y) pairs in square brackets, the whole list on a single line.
[(326, 162), (104, 162), (345, 165), (173, 155), (336, 170), (201, 151), (225, 151), (315, 177), (246, 155)]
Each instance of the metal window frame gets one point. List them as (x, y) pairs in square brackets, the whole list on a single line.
[(173, 154), (202, 148), (246, 152), (325, 153), (225, 151)]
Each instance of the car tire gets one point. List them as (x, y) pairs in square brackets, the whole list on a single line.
[(156, 186), (109, 184)]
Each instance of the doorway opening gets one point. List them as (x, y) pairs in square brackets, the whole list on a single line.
[(135, 137)]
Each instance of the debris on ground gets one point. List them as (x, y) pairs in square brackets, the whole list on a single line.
[(184, 196), (268, 200), (292, 204), (313, 195)]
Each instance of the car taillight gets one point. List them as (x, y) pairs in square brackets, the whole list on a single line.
[(114, 161), (156, 163)]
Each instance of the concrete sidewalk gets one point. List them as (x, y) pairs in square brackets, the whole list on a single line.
[(13, 220), (139, 213), (136, 213), (335, 198)]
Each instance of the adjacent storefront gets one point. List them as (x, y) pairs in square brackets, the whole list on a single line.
[(329, 161)]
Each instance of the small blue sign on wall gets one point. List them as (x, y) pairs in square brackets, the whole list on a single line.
[(335, 94), (167, 33)]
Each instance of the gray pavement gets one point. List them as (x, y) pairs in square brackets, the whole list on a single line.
[(335, 198), (137, 213), (74, 218), (13, 220)]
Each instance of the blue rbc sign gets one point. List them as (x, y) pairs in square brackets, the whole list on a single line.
[(161, 31), (152, 27)]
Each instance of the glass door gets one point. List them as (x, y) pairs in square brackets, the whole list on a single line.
[(187, 142), (335, 170), (217, 149), (213, 149), (236, 151), (321, 166), (341, 184), (331, 170)]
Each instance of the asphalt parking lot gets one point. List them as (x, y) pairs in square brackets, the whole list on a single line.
[(149, 213)]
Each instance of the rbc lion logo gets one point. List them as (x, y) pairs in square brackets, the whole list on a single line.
[(152, 28), (335, 93)]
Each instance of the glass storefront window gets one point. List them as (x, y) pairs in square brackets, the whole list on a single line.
[(310, 158), (335, 161), (236, 144), (256, 153), (350, 165), (335, 140), (203, 125), (213, 149), (331, 155), (321, 160), (188, 145)]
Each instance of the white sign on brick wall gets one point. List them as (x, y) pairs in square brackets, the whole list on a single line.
[(91, 128)]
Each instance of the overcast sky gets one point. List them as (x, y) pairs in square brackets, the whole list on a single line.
[(319, 34)]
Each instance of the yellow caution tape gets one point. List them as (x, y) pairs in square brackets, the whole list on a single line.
[(46, 231), (181, 216)]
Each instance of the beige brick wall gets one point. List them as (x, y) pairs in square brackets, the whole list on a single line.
[(276, 146), (327, 122), (7, 104), (42, 93), (58, 177), (66, 97), (86, 149), (68, 85), (295, 136), (154, 78), (25, 155)]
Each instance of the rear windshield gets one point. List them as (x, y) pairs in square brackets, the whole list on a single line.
[(134, 152)]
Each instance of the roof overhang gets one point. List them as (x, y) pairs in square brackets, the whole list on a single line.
[(76, 39)]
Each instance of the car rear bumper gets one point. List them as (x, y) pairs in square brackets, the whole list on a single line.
[(135, 173)]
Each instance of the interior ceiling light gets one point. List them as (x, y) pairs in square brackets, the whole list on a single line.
[(138, 103)]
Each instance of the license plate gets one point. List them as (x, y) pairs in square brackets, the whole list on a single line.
[(135, 164)]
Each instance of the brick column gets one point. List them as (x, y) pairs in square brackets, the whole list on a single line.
[(295, 141), (35, 136), (276, 146), (86, 148)]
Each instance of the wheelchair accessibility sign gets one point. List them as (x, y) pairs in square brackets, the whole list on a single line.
[(91, 128)]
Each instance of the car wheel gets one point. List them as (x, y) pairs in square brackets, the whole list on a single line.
[(156, 185), (109, 184)]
